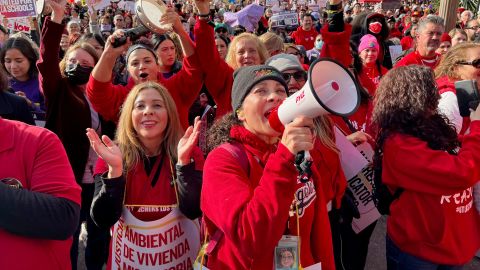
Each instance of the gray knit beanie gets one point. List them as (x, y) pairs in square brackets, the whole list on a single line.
[(245, 78)]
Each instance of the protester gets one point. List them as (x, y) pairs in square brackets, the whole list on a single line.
[(458, 36), (445, 44), (430, 30), (408, 41), (18, 58), (139, 188), (142, 65), (69, 112), (40, 201), (368, 51), (314, 53), (222, 45), (272, 42), (13, 107), (429, 226), (472, 29), (457, 64), (262, 181), (305, 34), (465, 16), (166, 51), (95, 40)]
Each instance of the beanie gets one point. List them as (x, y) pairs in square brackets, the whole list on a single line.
[(245, 78), (445, 37), (284, 61), (140, 46), (368, 41)]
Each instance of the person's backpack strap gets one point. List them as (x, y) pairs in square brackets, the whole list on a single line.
[(238, 152)]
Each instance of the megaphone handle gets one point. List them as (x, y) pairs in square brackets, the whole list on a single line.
[(303, 163)]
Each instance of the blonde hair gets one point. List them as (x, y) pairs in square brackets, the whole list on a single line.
[(448, 65), (272, 42), (127, 137), (232, 54), (323, 129)]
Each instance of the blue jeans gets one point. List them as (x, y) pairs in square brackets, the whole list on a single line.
[(399, 260)]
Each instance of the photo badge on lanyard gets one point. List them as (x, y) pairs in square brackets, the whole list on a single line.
[(286, 253)]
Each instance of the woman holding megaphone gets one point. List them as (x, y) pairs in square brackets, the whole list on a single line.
[(253, 202)]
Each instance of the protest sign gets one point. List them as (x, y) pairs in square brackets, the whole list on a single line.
[(356, 164), (19, 24), (98, 4), (271, 3), (17, 8), (395, 52), (284, 19)]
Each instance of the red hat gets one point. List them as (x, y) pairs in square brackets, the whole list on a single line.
[(460, 10), (416, 14), (445, 37)]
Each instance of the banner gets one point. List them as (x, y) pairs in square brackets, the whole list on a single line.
[(356, 164), (19, 24), (17, 8), (284, 19), (127, 5), (271, 3)]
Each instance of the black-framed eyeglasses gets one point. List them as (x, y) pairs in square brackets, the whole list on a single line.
[(475, 63), (298, 76), (473, 27)]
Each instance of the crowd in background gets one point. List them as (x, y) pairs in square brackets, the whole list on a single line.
[(173, 126)]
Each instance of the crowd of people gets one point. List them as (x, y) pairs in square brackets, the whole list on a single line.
[(157, 151)]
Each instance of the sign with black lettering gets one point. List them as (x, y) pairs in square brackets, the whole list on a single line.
[(356, 163)]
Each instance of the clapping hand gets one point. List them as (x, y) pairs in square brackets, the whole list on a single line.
[(108, 151), (188, 142)]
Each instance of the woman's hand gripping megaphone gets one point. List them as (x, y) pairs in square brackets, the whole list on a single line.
[(298, 137)]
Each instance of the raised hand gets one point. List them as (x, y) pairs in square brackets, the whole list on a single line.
[(298, 135), (170, 17), (112, 51), (203, 6), (108, 151), (188, 142), (58, 9)]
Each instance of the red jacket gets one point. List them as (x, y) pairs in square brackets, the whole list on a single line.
[(251, 209), (414, 58), (433, 218), (184, 87), (36, 158), (406, 42), (218, 74), (305, 38)]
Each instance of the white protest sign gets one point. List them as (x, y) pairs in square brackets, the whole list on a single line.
[(271, 3), (322, 3), (314, 7), (395, 52), (356, 162), (19, 24), (98, 4), (301, 2), (284, 19)]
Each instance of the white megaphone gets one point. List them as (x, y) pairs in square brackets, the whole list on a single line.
[(330, 89)]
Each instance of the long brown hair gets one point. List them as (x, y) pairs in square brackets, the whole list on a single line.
[(127, 138), (406, 102), (448, 65)]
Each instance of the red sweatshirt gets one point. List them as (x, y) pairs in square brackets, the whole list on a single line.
[(251, 209), (433, 218), (407, 43), (218, 74), (414, 58), (184, 87), (305, 38)]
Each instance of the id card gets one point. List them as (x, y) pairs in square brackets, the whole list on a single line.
[(286, 253)]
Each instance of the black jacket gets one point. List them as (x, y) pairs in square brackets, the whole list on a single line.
[(13, 107)]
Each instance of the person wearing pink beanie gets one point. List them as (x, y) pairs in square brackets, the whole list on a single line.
[(368, 52)]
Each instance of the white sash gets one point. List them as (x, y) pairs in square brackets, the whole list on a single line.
[(170, 242)]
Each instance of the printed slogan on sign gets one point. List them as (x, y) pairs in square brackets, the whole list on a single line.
[(17, 8)]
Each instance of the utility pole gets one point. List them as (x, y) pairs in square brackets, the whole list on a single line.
[(448, 11)]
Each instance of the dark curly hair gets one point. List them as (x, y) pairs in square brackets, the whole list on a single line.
[(406, 102), (219, 133)]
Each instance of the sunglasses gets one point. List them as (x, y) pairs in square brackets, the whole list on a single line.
[(298, 76), (475, 63)]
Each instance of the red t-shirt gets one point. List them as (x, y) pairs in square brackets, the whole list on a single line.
[(414, 58), (305, 38)]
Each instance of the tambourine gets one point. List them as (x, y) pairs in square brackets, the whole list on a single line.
[(149, 13)]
